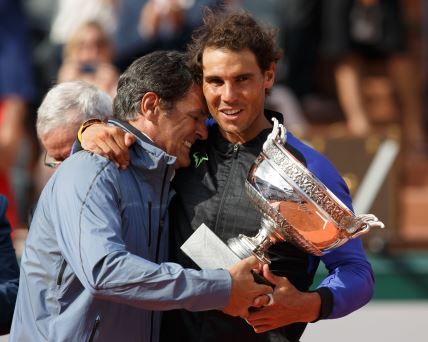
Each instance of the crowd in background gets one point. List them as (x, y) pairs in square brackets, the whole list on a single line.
[(45, 42)]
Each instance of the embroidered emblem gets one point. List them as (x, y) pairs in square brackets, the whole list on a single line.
[(199, 158)]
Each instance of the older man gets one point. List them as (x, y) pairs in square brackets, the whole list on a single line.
[(94, 264), (61, 112)]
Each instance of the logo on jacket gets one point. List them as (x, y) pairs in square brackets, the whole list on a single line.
[(199, 158)]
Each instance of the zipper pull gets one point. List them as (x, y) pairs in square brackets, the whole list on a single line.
[(235, 150)]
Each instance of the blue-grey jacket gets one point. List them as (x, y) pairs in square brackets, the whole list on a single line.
[(93, 267)]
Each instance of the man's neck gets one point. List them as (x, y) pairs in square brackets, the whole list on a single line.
[(259, 125), (139, 126)]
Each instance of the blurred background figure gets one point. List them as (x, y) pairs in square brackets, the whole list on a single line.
[(59, 116), (88, 56), (148, 25), (72, 14), (16, 94), (360, 32), (9, 271)]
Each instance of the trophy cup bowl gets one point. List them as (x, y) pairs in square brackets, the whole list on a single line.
[(295, 205)]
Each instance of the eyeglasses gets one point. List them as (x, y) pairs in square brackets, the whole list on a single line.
[(51, 162)]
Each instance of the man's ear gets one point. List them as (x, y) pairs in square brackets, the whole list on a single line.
[(149, 106), (269, 75)]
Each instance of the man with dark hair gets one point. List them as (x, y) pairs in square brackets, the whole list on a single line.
[(9, 271), (236, 60), (94, 264)]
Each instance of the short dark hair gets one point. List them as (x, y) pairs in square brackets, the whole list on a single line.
[(165, 73), (236, 31)]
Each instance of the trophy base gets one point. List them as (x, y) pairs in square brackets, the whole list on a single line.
[(243, 247)]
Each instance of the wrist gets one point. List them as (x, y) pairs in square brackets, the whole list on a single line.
[(312, 306), (326, 303), (85, 124)]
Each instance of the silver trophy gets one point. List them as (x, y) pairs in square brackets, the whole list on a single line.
[(295, 205)]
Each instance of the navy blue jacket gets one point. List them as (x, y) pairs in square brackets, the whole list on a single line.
[(9, 271)]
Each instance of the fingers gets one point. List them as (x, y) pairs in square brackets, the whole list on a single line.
[(129, 139), (262, 328), (119, 149), (110, 142), (269, 276), (263, 300)]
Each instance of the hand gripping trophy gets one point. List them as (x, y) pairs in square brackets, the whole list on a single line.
[(295, 205)]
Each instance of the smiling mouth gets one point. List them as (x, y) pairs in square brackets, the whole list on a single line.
[(230, 112)]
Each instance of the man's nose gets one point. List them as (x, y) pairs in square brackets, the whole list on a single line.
[(229, 92)]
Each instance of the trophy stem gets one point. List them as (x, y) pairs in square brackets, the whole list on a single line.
[(243, 246)]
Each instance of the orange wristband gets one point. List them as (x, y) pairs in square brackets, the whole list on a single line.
[(85, 124)]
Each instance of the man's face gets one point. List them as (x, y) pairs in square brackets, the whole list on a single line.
[(182, 126), (58, 143), (234, 87)]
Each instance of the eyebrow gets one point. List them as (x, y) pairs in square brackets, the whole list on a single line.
[(198, 112), (214, 77)]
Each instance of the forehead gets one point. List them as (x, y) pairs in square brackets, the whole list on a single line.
[(59, 141), (219, 61), (193, 101)]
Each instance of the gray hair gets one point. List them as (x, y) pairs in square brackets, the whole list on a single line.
[(163, 72), (70, 103)]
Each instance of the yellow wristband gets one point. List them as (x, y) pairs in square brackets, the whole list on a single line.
[(85, 125)]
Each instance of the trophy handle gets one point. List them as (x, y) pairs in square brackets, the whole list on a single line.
[(362, 224)]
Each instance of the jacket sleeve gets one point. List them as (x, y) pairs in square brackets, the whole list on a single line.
[(89, 232), (350, 282), (9, 271)]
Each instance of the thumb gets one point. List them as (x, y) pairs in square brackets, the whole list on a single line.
[(272, 278), (252, 263), (129, 139)]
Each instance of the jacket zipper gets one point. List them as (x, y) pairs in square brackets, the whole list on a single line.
[(61, 272), (158, 244), (235, 153), (160, 218), (151, 325), (235, 150), (150, 223), (94, 329)]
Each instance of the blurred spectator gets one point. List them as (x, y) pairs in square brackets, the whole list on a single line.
[(357, 30), (148, 25), (88, 56), (40, 14), (59, 116), (9, 271), (72, 14), (16, 92)]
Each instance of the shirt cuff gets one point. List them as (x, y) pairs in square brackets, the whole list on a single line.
[(326, 303)]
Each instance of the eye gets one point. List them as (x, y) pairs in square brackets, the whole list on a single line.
[(214, 81), (194, 117), (242, 78)]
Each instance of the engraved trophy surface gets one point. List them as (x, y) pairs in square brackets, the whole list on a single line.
[(296, 207)]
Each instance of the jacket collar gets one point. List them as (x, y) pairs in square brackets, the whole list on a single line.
[(145, 151)]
